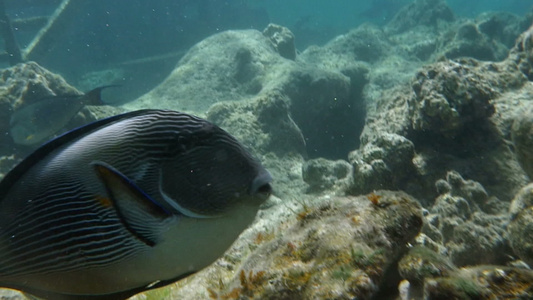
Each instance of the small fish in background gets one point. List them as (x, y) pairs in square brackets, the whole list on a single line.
[(37, 122), (125, 204)]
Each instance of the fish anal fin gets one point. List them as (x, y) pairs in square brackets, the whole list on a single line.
[(139, 213)]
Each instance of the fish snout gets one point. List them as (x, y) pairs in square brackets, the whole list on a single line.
[(261, 186)]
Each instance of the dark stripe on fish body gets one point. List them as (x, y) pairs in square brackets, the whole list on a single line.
[(64, 221), (15, 175)]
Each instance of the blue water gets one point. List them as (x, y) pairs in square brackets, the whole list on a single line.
[(103, 34)]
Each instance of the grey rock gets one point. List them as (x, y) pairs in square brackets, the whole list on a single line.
[(266, 127), (446, 103), (229, 66), (480, 240), (282, 39), (322, 174), (422, 263), (469, 41), (324, 106), (382, 163), (522, 135), (365, 43), (240, 66), (522, 200), (264, 124), (470, 190), (521, 226), (503, 27), (428, 13)]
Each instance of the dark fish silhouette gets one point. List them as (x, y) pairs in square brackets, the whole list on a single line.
[(37, 122), (125, 204)]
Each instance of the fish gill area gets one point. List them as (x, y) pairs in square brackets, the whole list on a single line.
[(402, 156)]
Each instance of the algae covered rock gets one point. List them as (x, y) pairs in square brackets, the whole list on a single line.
[(266, 127), (264, 124), (383, 163), (446, 102), (341, 249), (480, 240), (229, 66), (472, 224), (428, 13), (521, 226), (243, 65), (522, 134), (282, 39), (322, 174), (469, 41), (421, 263), (483, 282)]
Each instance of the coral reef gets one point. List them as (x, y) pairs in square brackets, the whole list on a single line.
[(377, 109)]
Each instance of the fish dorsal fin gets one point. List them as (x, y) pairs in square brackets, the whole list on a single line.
[(139, 213), (16, 173)]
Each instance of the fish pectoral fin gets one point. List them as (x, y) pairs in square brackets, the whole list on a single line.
[(139, 213)]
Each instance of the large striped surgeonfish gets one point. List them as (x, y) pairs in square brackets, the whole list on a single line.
[(125, 204)]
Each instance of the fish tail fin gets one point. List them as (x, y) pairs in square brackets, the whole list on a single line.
[(94, 96)]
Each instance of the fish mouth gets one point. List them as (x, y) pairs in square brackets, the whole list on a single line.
[(261, 186)]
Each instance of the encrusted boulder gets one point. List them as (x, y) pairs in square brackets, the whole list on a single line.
[(229, 66), (242, 65), (322, 174), (429, 13), (470, 41), (323, 105), (383, 163), (482, 282), (450, 97), (420, 263), (341, 249), (522, 135), (521, 226), (282, 39), (471, 222), (480, 240), (264, 124)]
